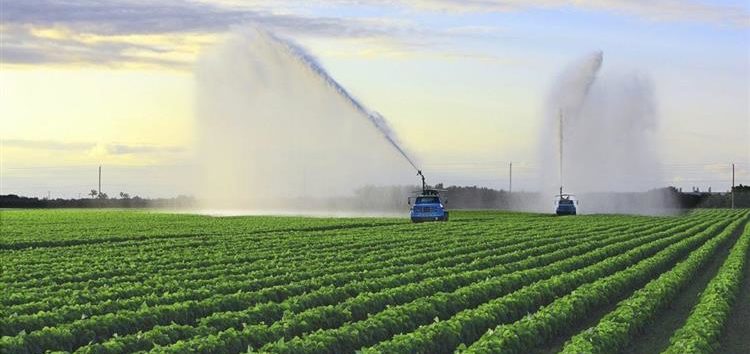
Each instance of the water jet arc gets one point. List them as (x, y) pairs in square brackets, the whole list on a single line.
[(374, 117)]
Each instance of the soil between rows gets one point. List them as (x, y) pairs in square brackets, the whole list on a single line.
[(656, 336), (736, 337)]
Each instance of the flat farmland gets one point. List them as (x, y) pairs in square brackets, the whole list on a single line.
[(117, 281)]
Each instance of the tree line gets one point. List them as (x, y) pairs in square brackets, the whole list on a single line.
[(393, 198)]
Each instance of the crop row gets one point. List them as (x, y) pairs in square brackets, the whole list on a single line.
[(701, 331), (615, 330), (253, 281), (198, 274), (195, 271), (65, 261), (469, 325), (335, 286), (215, 237), (68, 272), (82, 257), (539, 327), (355, 293), (396, 319), (57, 228), (95, 320), (410, 262), (257, 258), (200, 278)]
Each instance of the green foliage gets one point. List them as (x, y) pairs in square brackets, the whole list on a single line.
[(616, 329), (702, 330), (107, 281)]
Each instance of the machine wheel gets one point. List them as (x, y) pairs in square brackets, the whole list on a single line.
[(445, 216)]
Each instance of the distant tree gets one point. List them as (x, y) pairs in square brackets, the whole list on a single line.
[(124, 195), (103, 195), (93, 193)]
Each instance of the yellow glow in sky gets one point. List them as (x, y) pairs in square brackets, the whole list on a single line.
[(96, 105)]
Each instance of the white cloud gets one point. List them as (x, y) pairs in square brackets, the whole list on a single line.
[(657, 10), (137, 18), (91, 148), (55, 32)]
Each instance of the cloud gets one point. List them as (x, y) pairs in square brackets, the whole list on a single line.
[(24, 44), (656, 10), (120, 149), (147, 17), (92, 148), (158, 33), (45, 144), (49, 32)]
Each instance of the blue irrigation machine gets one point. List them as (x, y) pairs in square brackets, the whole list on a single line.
[(428, 205), (566, 204)]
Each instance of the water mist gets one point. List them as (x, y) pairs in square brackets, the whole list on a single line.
[(609, 129), (276, 133)]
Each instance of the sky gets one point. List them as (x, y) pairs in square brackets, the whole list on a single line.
[(463, 83)]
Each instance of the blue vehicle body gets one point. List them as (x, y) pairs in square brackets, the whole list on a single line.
[(428, 207), (566, 204)]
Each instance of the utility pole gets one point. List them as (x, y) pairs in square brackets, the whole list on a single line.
[(100, 180), (732, 185), (561, 152), (510, 179)]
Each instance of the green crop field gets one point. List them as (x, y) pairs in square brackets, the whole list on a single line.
[(96, 281)]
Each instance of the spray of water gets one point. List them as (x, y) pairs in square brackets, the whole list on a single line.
[(610, 142), (275, 132), (375, 118)]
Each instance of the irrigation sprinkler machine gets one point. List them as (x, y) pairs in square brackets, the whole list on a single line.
[(428, 205), (565, 204)]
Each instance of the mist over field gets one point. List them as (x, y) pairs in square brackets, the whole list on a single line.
[(610, 139), (275, 132)]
